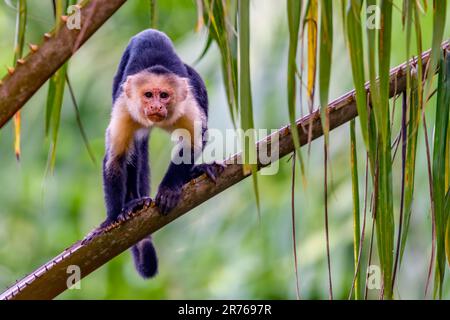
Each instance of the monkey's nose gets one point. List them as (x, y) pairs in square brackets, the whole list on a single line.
[(156, 113)]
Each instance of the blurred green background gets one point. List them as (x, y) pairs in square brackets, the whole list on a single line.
[(219, 250)]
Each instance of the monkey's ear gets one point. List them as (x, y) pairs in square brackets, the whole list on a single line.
[(127, 86), (184, 87)]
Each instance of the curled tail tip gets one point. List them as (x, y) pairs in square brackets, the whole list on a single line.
[(145, 259)]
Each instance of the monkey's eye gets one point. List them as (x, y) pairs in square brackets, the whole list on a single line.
[(148, 94), (163, 95)]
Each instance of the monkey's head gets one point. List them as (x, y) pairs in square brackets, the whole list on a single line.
[(154, 97)]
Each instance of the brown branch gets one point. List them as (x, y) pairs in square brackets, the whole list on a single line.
[(49, 280), (46, 58)]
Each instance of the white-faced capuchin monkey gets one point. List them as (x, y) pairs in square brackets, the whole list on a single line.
[(152, 88)]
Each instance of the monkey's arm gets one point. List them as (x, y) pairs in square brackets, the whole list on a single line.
[(114, 185), (119, 147), (169, 191)]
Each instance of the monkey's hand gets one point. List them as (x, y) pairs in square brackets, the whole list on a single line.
[(212, 170), (167, 198)]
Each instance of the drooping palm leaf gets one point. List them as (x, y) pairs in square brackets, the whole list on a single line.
[(245, 96), (404, 139), (55, 94), (311, 21), (78, 118), (447, 233), (355, 46), (384, 214), (294, 9), (439, 164), (218, 16), (356, 210), (407, 19), (439, 18), (294, 237), (326, 52), (200, 19), (415, 106), (384, 58), (374, 85), (21, 23), (325, 58), (55, 101)]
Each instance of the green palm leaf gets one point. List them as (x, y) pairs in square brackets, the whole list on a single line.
[(245, 94), (439, 164)]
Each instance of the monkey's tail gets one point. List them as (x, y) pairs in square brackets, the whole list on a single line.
[(145, 259)]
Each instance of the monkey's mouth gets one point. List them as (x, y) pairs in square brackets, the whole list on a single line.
[(157, 117)]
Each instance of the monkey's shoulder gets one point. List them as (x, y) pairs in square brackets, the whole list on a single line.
[(121, 129)]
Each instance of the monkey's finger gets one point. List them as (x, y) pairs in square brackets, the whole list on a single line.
[(214, 170), (162, 206), (172, 202), (166, 207), (211, 174), (123, 217), (160, 202), (220, 165), (158, 198), (219, 168), (108, 222), (148, 202)]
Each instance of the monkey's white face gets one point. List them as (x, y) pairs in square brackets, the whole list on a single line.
[(155, 102), (153, 98)]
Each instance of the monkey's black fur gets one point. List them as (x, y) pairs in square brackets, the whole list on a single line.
[(127, 179), (145, 259)]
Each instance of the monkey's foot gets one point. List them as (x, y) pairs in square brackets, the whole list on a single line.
[(167, 198), (212, 170), (134, 206), (106, 223), (103, 227), (127, 212)]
